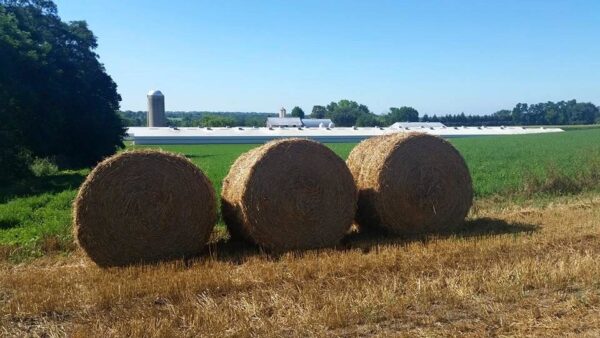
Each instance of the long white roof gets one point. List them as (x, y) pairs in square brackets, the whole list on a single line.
[(284, 121), (399, 125), (316, 122), (197, 135)]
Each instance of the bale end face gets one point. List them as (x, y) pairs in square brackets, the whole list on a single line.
[(289, 194), (411, 183), (143, 206)]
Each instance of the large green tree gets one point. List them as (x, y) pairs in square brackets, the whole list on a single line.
[(346, 113), (369, 120), (318, 112), (402, 114), (15, 48), (57, 100), (298, 112)]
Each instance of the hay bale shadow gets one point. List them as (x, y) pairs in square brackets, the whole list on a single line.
[(487, 226), (233, 250), (481, 227), (238, 251)]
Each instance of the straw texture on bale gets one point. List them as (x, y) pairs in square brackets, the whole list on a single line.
[(289, 194), (410, 183), (144, 206)]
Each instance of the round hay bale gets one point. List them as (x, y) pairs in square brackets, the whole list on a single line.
[(410, 183), (289, 194), (144, 206)]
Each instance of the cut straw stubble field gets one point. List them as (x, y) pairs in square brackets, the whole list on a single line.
[(536, 272)]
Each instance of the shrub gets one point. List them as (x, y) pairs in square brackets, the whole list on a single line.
[(43, 167)]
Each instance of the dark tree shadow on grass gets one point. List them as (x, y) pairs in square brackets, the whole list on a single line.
[(9, 223), (40, 185)]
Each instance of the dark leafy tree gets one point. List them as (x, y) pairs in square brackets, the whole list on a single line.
[(318, 112), (402, 114), (298, 112), (518, 111), (332, 107), (57, 99), (16, 48), (345, 113), (369, 120)]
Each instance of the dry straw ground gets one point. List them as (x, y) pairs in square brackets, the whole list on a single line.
[(511, 271)]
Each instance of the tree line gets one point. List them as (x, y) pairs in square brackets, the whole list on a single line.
[(546, 113), (199, 119), (347, 113)]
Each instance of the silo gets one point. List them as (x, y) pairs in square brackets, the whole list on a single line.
[(156, 109)]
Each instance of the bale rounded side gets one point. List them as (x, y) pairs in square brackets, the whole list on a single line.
[(289, 194), (410, 183), (144, 206)]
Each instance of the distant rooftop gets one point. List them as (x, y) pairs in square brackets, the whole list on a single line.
[(312, 123), (284, 122)]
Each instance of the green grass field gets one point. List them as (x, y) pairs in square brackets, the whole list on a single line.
[(40, 208)]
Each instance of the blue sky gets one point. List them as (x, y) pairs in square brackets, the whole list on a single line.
[(437, 56)]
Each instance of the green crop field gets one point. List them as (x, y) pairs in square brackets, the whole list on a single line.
[(506, 167)]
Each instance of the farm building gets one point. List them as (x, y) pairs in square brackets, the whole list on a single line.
[(156, 109), (274, 122), (318, 123)]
